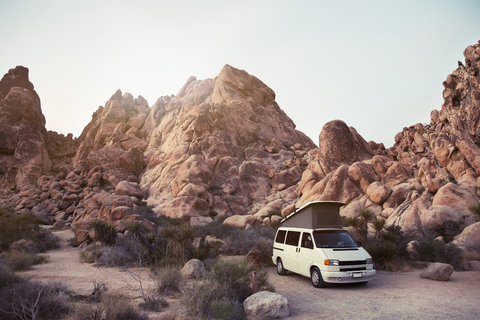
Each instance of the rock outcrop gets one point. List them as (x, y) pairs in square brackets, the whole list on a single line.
[(427, 183), (23, 154), (222, 147)]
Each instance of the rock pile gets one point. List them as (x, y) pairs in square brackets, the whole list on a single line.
[(222, 147), (427, 183)]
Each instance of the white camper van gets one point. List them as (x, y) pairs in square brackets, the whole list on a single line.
[(312, 243)]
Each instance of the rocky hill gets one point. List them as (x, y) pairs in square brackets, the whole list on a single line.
[(223, 147)]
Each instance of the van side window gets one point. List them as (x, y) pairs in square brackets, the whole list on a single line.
[(281, 236), (292, 238), (307, 241)]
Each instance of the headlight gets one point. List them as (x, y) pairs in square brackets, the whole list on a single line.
[(369, 261), (330, 262)]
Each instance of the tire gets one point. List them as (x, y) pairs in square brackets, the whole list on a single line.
[(280, 269), (316, 277)]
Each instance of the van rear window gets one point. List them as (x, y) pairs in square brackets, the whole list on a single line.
[(281, 236), (292, 238)]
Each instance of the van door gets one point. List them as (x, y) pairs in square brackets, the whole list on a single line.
[(291, 250), (305, 254)]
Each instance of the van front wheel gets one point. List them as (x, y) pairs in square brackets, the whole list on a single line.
[(317, 279), (280, 269)]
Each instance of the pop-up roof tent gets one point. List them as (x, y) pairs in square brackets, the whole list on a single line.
[(315, 215)]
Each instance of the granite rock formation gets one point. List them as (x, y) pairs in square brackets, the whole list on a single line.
[(23, 154), (222, 147)]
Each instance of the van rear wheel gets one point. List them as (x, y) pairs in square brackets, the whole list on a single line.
[(280, 269), (317, 279)]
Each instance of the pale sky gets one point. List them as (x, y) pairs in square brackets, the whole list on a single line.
[(377, 65)]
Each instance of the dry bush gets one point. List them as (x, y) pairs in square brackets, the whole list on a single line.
[(33, 300), (17, 260), (119, 307), (169, 280), (222, 292)]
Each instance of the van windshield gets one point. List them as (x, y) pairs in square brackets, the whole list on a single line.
[(333, 239)]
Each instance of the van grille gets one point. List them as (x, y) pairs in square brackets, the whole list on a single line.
[(352, 262), (353, 269)]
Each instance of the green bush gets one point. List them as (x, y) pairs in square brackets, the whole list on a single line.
[(223, 291), (104, 232), (26, 226), (389, 251), (438, 251)]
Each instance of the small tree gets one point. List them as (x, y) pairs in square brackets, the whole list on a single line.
[(360, 224)]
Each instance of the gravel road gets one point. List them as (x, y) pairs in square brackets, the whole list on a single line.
[(389, 295)]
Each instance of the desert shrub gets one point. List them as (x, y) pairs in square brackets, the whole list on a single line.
[(119, 307), (33, 300), (438, 251), (135, 227), (17, 260), (383, 254), (389, 250), (448, 230), (26, 226), (223, 291), (244, 241), (7, 277), (145, 211), (217, 229), (88, 312), (90, 253), (99, 289), (104, 232), (476, 211), (24, 245), (204, 250), (360, 224), (169, 280), (123, 254), (175, 240), (200, 296), (226, 309)]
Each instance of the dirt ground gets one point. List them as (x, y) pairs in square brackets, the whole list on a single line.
[(389, 295)]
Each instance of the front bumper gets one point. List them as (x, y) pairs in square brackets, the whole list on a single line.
[(348, 276)]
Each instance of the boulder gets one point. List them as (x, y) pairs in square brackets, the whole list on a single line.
[(266, 305), (341, 145), (81, 231), (128, 189), (241, 221), (437, 271), (194, 269), (378, 192), (469, 241)]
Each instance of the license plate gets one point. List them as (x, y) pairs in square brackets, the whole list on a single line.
[(357, 275)]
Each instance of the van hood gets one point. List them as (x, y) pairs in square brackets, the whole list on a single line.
[(346, 254)]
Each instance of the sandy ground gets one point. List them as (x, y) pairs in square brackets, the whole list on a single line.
[(389, 295), (65, 265)]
